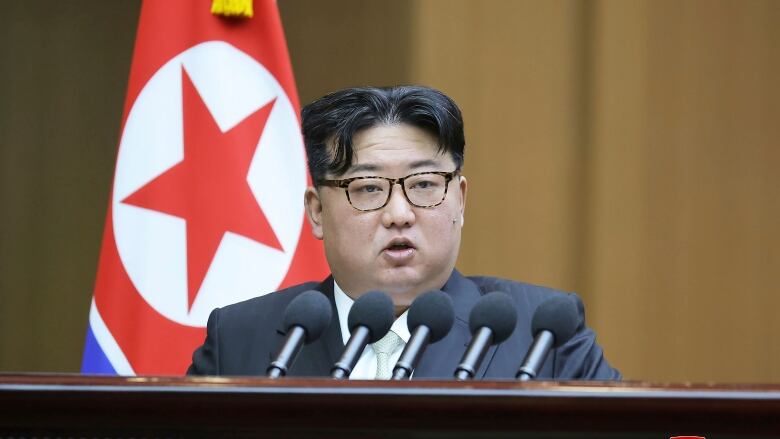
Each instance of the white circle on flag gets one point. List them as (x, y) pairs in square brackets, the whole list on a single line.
[(152, 244)]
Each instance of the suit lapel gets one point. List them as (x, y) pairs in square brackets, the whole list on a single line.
[(317, 358), (332, 341), (441, 358)]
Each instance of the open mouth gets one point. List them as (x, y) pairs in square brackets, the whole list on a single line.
[(399, 244), (399, 253), (399, 247)]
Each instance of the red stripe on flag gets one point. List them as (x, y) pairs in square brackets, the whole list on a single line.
[(152, 343)]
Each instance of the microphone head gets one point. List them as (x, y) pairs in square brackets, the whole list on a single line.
[(310, 310), (496, 311), (434, 310), (558, 315), (374, 310)]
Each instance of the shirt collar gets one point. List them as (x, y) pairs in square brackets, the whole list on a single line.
[(344, 304)]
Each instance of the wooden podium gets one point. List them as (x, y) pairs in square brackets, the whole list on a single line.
[(52, 406)]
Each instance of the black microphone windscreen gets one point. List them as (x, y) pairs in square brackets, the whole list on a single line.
[(310, 310), (497, 311), (374, 310), (558, 315), (434, 310)]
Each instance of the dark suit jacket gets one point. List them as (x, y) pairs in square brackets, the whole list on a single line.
[(242, 338)]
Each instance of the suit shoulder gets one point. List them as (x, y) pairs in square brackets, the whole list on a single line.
[(524, 292), (487, 284), (263, 305)]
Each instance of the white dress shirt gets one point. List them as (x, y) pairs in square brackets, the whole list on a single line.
[(365, 368)]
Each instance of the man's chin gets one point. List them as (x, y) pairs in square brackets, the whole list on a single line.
[(403, 281)]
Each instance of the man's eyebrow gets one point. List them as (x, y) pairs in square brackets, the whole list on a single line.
[(370, 167), (363, 167), (423, 164)]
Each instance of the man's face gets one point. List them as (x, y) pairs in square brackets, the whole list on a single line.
[(362, 247)]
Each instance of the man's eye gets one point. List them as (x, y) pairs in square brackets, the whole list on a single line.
[(368, 188), (424, 184)]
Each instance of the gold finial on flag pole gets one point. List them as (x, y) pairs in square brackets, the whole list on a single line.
[(232, 8)]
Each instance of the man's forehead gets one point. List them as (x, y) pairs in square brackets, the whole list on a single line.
[(380, 165), (393, 149)]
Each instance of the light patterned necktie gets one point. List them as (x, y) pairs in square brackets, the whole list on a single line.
[(384, 348)]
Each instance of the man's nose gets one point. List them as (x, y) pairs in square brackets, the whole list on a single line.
[(398, 211)]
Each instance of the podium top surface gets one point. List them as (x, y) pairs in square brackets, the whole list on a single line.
[(505, 388), (256, 407)]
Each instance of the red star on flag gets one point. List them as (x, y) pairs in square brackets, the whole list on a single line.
[(209, 187)]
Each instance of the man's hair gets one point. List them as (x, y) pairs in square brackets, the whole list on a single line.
[(338, 116)]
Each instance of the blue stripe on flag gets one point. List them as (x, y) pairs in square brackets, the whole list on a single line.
[(95, 360)]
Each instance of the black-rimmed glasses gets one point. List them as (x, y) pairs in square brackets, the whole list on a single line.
[(422, 189)]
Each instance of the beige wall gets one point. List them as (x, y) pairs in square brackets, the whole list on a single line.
[(626, 150), (684, 233), (63, 75), (621, 149)]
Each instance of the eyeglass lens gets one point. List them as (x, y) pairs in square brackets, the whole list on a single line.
[(421, 190)]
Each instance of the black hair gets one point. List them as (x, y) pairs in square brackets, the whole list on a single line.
[(338, 116)]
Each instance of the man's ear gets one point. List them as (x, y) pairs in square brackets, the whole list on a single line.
[(313, 204), (463, 186)]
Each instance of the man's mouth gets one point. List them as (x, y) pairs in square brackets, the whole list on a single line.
[(400, 244), (399, 247), (399, 250)]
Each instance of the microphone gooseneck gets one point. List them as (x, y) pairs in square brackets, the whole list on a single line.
[(492, 320), (369, 320), (429, 320), (305, 319), (554, 323)]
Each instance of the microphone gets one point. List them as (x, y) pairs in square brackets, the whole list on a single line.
[(554, 323), (305, 319), (430, 318), (491, 321), (369, 320)]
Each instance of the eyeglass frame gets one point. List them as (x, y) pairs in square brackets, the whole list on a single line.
[(344, 183)]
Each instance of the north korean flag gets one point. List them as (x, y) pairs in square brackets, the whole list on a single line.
[(206, 207)]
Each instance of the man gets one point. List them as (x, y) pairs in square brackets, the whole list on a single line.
[(388, 202)]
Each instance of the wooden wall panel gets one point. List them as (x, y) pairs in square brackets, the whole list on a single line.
[(347, 43), (684, 230), (514, 69), (63, 76), (637, 142)]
